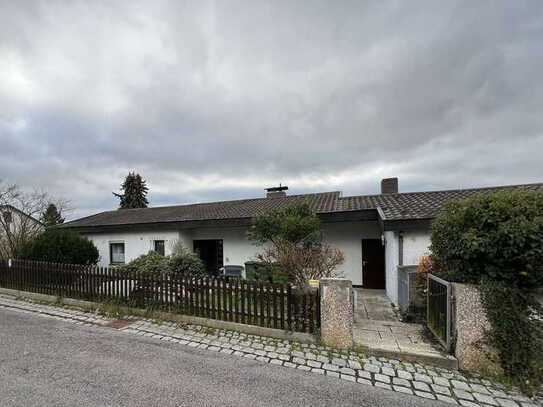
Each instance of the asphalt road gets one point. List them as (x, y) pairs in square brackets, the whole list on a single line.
[(44, 362)]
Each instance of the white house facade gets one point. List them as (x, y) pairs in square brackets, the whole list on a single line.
[(376, 233), (16, 227)]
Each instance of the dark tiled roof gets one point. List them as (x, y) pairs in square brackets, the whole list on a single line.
[(421, 205), (246, 208), (401, 206)]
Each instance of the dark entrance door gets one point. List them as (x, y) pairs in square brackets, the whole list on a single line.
[(210, 251), (373, 263)]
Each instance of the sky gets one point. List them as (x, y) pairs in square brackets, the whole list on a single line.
[(217, 100)]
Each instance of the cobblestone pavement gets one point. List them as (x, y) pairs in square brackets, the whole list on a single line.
[(410, 378)]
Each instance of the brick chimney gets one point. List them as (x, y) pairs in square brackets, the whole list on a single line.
[(275, 192), (389, 185)]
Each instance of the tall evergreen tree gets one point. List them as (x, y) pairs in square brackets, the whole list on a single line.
[(52, 216), (134, 192)]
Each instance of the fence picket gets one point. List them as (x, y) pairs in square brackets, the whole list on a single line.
[(248, 302)]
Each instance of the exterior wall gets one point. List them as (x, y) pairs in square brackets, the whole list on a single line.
[(21, 228), (415, 245), (391, 265), (237, 248), (347, 236), (135, 243)]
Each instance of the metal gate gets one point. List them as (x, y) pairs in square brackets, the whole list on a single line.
[(440, 310)]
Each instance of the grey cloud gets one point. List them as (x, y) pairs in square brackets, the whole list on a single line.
[(215, 100)]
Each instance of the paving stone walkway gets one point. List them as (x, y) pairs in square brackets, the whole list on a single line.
[(410, 378), (378, 329), (372, 305)]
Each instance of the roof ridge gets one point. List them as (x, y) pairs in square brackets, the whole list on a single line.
[(233, 201), (195, 204), (445, 190)]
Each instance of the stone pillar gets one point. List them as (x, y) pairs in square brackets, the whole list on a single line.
[(472, 350), (336, 312)]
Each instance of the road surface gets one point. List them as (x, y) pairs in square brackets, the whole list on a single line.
[(46, 362)]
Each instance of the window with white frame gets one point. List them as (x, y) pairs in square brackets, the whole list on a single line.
[(116, 253)]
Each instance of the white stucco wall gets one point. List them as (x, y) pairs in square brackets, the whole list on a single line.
[(415, 245), (135, 243), (237, 248), (391, 265), (347, 236)]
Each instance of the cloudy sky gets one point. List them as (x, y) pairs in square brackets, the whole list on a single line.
[(217, 100)]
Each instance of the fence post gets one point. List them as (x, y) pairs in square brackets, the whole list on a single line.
[(336, 312)]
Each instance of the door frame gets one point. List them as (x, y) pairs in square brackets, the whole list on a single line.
[(362, 262), (220, 251)]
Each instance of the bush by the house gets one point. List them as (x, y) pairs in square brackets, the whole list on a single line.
[(266, 273), (516, 332), (149, 263), (181, 262), (296, 224), (496, 241), (296, 245), (184, 262), (497, 236), (61, 246)]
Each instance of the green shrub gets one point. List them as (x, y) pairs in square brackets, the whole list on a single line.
[(266, 273), (184, 262), (516, 332), (496, 241), (498, 236), (295, 224), (296, 246), (61, 246), (151, 262)]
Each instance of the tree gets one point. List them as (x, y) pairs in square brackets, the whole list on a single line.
[(52, 216), (294, 224), (134, 192), (61, 246), (303, 262), (19, 211), (296, 245)]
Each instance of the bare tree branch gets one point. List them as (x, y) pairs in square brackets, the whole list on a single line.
[(20, 212)]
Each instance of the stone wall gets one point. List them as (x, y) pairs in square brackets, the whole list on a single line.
[(472, 350), (336, 312)]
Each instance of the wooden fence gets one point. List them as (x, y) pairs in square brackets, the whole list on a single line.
[(268, 305)]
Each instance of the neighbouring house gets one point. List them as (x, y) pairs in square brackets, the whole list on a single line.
[(16, 228), (377, 233)]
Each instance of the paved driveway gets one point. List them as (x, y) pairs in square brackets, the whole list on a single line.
[(45, 362)]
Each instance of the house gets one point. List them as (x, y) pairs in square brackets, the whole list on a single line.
[(16, 228), (377, 233)]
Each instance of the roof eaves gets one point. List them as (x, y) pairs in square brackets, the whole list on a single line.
[(13, 208)]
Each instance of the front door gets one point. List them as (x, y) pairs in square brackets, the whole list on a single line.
[(210, 251), (373, 263)]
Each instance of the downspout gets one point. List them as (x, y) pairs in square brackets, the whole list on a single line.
[(400, 248)]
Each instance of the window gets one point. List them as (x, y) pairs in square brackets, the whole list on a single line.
[(159, 247), (116, 253)]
